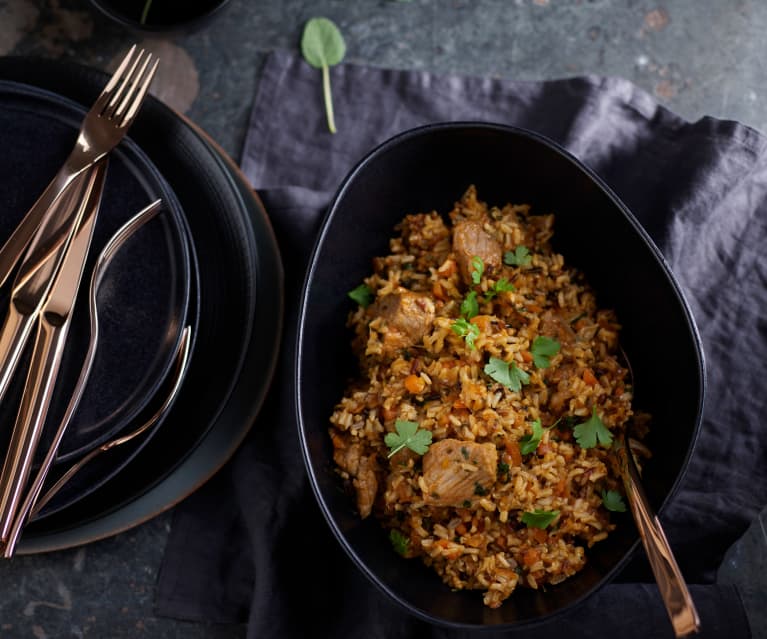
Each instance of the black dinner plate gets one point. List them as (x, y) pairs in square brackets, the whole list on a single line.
[(240, 297), (144, 296)]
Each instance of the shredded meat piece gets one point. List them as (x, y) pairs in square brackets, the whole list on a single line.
[(470, 240), (408, 318), (456, 471)]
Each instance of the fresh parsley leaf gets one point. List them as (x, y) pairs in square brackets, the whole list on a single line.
[(510, 375), (529, 443), (480, 490), (539, 518), (477, 269), (399, 542), (520, 256), (465, 329), (362, 295), (503, 468), (612, 500), (323, 46), (499, 287), (593, 430), (408, 435), (470, 306), (543, 349)]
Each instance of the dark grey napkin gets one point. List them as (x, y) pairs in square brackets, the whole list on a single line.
[(698, 188)]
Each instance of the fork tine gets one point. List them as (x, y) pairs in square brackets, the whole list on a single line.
[(137, 82), (125, 83), (138, 97), (106, 92)]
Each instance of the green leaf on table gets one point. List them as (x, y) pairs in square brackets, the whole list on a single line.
[(593, 430), (543, 349), (612, 500), (510, 375), (323, 46), (408, 435), (539, 518), (362, 295)]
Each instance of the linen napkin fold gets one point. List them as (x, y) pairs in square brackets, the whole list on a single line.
[(252, 546)]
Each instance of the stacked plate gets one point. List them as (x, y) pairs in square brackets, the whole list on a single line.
[(209, 261)]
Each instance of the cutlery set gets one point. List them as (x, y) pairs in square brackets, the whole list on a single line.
[(48, 251)]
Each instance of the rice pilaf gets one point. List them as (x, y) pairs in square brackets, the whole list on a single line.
[(480, 339)]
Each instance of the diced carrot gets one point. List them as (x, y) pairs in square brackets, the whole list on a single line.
[(533, 308), (415, 384), (588, 377), (540, 535), (458, 403), (530, 557), (461, 529), (527, 356), (388, 414), (438, 291), (512, 448), (482, 322), (561, 487), (447, 269), (337, 441)]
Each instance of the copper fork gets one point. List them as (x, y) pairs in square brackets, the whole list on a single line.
[(47, 227), (102, 129)]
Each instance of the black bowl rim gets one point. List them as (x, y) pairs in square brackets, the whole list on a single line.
[(106, 8), (305, 290)]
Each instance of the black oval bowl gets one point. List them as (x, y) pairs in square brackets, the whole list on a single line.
[(428, 169), (164, 16)]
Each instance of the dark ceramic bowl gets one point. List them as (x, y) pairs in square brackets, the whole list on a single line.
[(164, 16), (427, 169)]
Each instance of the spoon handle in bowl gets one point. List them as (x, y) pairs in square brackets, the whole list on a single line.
[(673, 589)]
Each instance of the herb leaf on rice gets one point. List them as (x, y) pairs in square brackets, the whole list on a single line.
[(593, 430), (408, 435), (543, 349), (529, 443), (539, 518), (510, 375), (612, 500)]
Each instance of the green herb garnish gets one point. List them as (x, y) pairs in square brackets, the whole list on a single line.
[(323, 46), (145, 11), (399, 542), (529, 443), (500, 286), (503, 468), (543, 349), (408, 435), (477, 269), (465, 329), (520, 256), (480, 490), (362, 295), (510, 375), (470, 306), (612, 500), (539, 518), (592, 430)]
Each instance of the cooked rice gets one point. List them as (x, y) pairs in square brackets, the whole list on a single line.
[(439, 382)]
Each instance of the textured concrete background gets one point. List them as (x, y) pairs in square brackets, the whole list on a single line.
[(698, 57)]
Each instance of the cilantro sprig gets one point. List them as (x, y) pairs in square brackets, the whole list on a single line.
[(612, 500), (539, 518), (501, 286), (520, 256), (408, 435), (477, 269), (543, 349), (470, 305), (463, 328), (529, 443), (399, 542), (362, 294), (593, 430), (510, 375)]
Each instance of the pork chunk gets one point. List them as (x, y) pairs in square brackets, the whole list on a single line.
[(456, 472), (469, 240), (362, 470), (408, 318)]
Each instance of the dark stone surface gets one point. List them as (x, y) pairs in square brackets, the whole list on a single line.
[(698, 57)]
